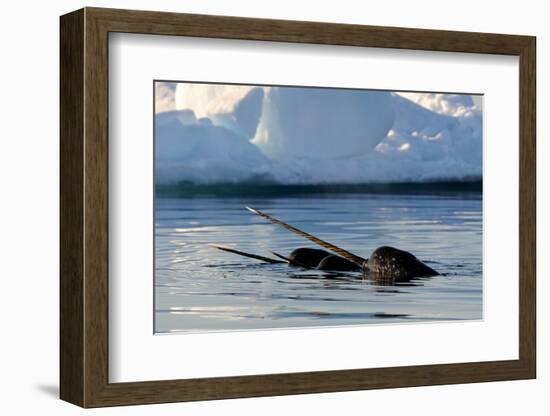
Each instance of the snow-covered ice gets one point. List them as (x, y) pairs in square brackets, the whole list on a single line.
[(292, 135)]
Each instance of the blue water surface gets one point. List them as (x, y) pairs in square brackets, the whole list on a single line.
[(199, 288)]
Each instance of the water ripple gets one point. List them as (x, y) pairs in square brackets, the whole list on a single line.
[(202, 289)]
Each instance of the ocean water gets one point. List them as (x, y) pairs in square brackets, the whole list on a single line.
[(199, 288)]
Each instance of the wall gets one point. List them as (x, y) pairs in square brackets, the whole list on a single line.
[(29, 213)]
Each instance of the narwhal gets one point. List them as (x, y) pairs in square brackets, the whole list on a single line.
[(384, 264)]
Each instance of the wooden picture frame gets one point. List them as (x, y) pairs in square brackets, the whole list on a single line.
[(84, 207)]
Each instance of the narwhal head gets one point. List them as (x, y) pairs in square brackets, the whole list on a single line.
[(391, 263)]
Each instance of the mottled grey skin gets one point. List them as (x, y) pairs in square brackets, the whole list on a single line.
[(339, 264), (307, 257), (313, 258), (388, 263), (384, 264)]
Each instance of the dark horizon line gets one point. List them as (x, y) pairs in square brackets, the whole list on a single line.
[(448, 187)]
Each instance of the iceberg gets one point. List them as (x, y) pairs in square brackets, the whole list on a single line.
[(322, 124), (294, 135), (195, 150)]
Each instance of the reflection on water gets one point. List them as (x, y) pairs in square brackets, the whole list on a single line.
[(198, 288)]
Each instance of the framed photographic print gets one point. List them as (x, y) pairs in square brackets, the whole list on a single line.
[(256, 207)]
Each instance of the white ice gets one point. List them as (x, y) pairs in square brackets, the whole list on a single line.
[(224, 133)]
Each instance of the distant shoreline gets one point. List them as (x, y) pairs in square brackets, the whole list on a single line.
[(444, 188)]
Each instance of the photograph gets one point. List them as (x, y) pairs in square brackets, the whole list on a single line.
[(284, 206)]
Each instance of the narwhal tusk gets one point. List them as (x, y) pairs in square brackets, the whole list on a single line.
[(242, 253), (335, 249), (281, 257)]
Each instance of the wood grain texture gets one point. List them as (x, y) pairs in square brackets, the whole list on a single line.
[(226, 27), (71, 185), (84, 207), (96, 208), (527, 207)]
